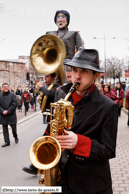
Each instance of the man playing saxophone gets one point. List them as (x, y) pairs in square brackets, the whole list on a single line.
[(91, 141)]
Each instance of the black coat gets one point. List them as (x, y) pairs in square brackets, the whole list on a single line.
[(8, 102), (50, 94), (96, 117)]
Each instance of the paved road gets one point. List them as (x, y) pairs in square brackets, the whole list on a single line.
[(15, 156)]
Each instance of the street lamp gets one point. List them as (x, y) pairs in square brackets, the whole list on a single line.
[(104, 53)]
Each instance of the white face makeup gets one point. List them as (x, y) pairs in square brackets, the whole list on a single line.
[(61, 20)]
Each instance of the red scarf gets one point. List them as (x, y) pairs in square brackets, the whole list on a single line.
[(76, 98)]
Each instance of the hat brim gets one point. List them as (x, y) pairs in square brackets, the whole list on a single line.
[(66, 61), (84, 64)]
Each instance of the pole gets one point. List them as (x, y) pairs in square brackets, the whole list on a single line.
[(105, 53), (105, 59)]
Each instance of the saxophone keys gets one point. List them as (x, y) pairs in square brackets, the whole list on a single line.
[(41, 181), (41, 172)]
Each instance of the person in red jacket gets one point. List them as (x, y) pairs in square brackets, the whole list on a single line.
[(127, 105), (108, 92), (119, 97)]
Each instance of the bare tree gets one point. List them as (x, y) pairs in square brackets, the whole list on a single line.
[(127, 62), (113, 68)]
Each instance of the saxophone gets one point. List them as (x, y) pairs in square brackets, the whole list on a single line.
[(45, 152)]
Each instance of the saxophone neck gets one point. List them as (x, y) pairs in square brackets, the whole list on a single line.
[(67, 96), (72, 90)]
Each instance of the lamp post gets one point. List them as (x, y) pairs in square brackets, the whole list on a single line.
[(105, 53)]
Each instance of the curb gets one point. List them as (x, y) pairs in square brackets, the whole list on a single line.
[(28, 117), (125, 110)]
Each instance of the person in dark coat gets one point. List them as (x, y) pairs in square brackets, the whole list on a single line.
[(19, 91), (91, 141), (8, 105), (71, 39), (49, 93)]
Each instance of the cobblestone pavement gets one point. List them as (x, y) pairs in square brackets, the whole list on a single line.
[(120, 164)]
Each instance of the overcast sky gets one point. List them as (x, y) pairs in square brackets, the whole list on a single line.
[(23, 21)]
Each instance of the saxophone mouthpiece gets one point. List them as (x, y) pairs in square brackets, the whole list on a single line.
[(74, 87)]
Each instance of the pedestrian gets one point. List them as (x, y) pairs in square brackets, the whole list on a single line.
[(26, 99), (108, 92), (35, 93), (91, 141), (71, 39), (127, 105), (8, 105), (19, 103), (100, 88), (19, 91), (32, 101), (119, 99)]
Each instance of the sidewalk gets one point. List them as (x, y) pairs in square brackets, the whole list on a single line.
[(21, 117), (120, 164)]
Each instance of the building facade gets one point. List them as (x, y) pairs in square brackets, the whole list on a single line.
[(13, 73)]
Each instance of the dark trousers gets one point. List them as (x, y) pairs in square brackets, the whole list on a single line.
[(26, 104), (119, 110), (6, 132)]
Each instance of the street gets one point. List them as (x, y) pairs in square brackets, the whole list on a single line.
[(16, 156)]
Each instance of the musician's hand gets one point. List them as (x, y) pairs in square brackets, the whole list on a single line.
[(38, 98), (68, 141), (40, 84)]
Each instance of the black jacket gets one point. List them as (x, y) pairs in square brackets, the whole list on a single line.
[(50, 94), (8, 101), (96, 117)]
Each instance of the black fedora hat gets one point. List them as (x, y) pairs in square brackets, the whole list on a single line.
[(66, 61), (87, 59)]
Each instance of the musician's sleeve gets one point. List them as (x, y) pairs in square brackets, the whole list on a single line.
[(83, 146), (48, 93)]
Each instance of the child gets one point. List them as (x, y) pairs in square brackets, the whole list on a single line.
[(19, 103)]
